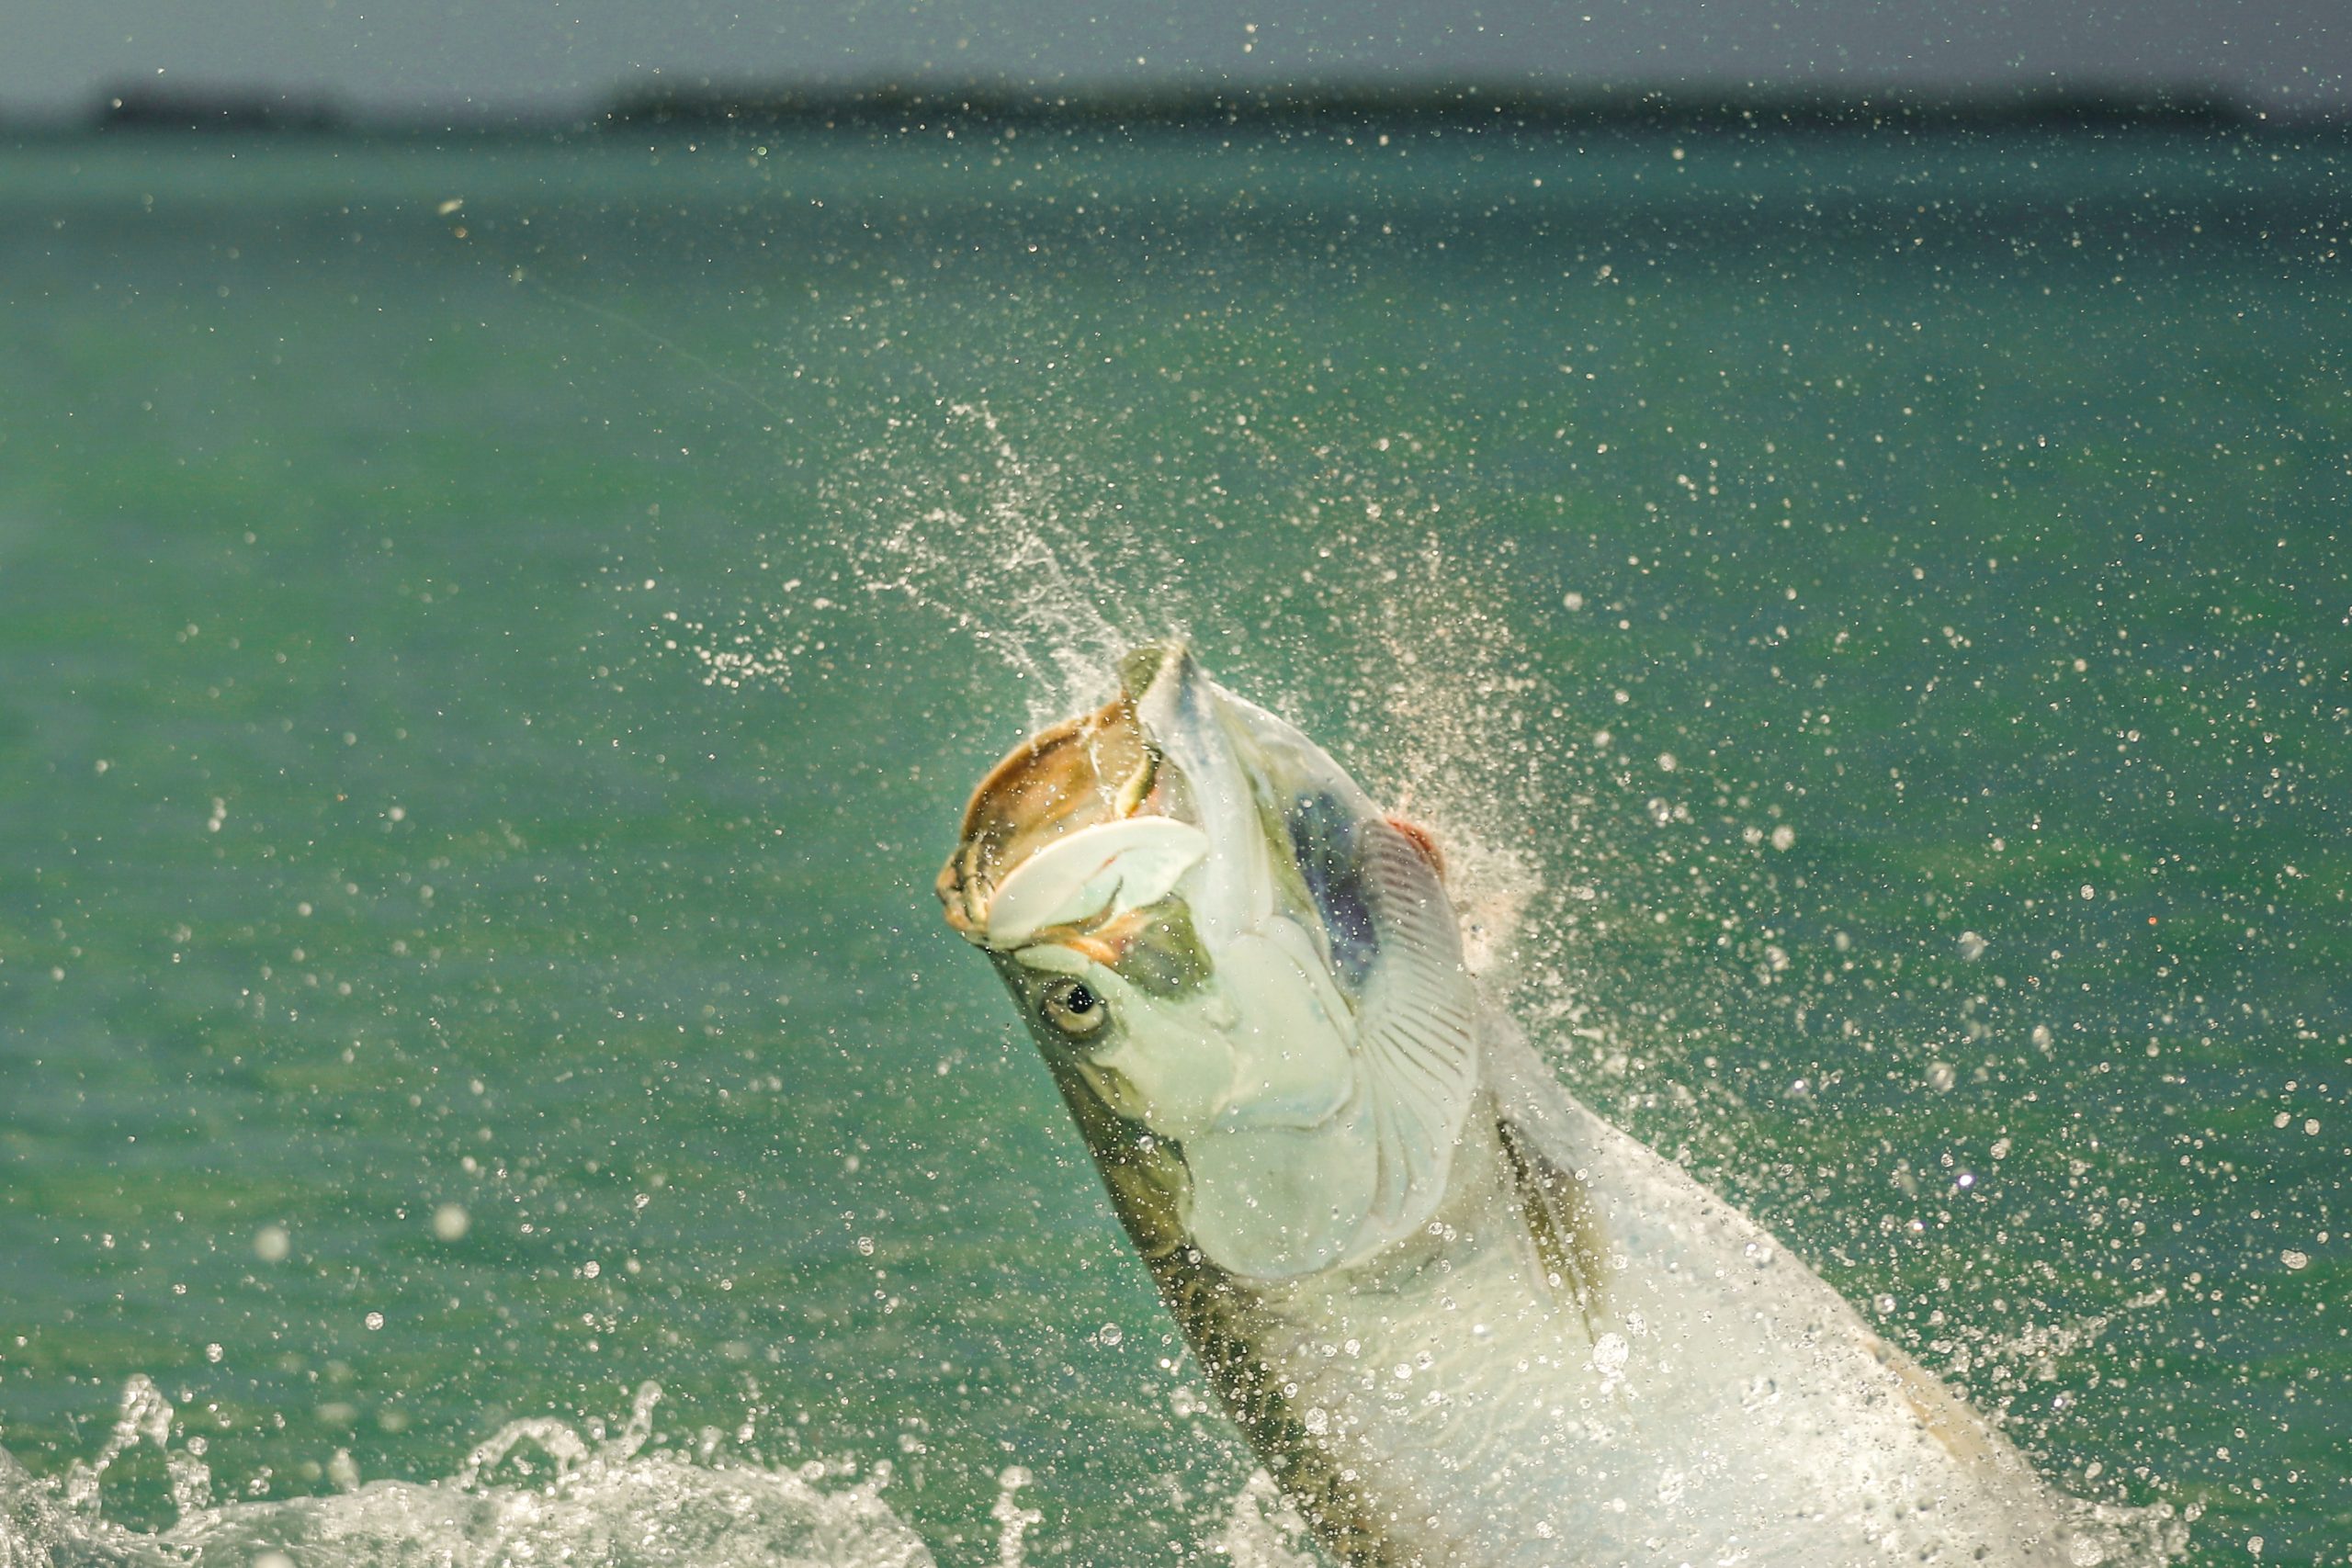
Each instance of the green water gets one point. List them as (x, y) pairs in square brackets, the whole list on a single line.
[(485, 692)]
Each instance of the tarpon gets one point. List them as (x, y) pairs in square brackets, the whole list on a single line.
[(1464, 1322)]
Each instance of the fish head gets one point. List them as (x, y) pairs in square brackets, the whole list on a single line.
[(1215, 933)]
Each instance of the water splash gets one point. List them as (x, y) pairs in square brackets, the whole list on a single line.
[(1388, 622), (1005, 551), (1262, 1530), (1013, 1519), (540, 1490), (1057, 574), (2118, 1534), (1453, 682), (2003, 1364), (613, 1503), (144, 1416)]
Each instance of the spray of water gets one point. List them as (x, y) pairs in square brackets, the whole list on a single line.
[(1002, 552), (539, 1490), (1440, 704)]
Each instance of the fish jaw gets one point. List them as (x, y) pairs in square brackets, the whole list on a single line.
[(1092, 771), (1108, 812)]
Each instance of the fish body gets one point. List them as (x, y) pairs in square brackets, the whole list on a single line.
[(1464, 1322)]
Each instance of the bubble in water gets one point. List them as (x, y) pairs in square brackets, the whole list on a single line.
[(271, 1244), (450, 1221)]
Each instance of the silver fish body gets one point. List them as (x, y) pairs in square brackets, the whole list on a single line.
[(1464, 1322)]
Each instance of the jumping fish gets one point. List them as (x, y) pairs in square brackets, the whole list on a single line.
[(1464, 1322)]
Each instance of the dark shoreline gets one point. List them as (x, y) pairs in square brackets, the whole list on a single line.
[(1471, 105), (719, 108)]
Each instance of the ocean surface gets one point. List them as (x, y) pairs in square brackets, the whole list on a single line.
[(496, 635)]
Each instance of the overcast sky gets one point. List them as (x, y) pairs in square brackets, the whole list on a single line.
[(444, 53)]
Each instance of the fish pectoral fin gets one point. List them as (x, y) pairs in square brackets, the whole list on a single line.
[(1351, 1118), (1424, 842), (1416, 1033), (1560, 1222)]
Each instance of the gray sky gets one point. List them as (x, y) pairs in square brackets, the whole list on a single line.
[(441, 53)]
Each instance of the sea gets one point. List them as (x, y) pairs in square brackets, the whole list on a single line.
[(496, 632)]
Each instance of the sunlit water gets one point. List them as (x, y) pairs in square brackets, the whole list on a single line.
[(483, 702)]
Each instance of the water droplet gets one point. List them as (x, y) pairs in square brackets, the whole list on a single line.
[(2294, 1260), (1110, 1334)]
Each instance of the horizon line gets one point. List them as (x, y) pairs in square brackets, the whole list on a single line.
[(711, 103)]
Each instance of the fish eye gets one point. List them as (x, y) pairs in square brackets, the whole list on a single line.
[(1070, 1007)]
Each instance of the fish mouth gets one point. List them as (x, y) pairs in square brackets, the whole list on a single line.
[(1108, 770)]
